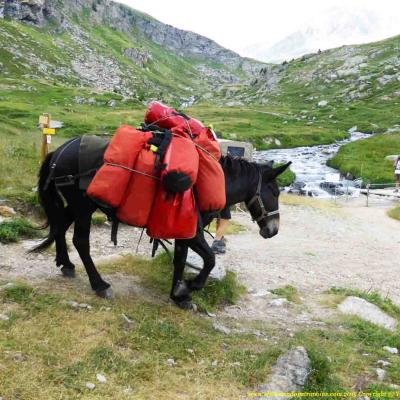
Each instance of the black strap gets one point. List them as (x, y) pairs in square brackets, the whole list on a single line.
[(54, 163)]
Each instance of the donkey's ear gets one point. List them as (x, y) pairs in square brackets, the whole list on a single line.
[(282, 168), (270, 174)]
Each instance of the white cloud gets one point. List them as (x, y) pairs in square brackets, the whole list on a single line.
[(237, 24)]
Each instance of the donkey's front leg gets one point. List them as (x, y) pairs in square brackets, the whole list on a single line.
[(200, 246), (180, 292)]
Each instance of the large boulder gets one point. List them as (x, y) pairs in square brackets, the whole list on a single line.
[(289, 374), (367, 311)]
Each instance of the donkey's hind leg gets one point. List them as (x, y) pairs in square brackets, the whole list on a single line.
[(180, 293), (82, 245), (62, 257)]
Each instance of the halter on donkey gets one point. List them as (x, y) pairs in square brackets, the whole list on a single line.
[(251, 183)]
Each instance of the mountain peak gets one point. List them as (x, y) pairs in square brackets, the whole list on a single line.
[(337, 26)]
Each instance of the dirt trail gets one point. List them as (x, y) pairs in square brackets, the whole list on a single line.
[(318, 247)]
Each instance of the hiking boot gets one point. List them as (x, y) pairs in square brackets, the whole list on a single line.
[(219, 246)]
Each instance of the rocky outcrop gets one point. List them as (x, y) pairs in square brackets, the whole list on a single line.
[(127, 20), (138, 57), (32, 11)]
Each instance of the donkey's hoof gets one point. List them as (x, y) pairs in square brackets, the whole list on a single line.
[(184, 304), (181, 290), (105, 293), (68, 272)]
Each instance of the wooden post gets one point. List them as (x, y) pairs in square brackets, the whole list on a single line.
[(44, 123)]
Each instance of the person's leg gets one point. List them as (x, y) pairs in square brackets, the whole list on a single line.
[(222, 226), (397, 182), (219, 246)]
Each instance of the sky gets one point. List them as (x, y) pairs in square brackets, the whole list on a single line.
[(237, 24)]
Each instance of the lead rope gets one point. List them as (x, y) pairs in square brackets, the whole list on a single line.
[(140, 239)]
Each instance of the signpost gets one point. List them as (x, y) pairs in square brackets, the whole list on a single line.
[(48, 128)]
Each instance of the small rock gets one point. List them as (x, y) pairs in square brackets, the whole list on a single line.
[(391, 350), (214, 363), (85, 306), (7, 211), (261, 293), (112, 103), (90, 386), (128, 323), (278, 302), (221, 328), (17, 356), (383, 363), (191, 351), (322, 103), (171, 362), (71, 303), (8, 285), (211, 315), (128, 390), (77, 306), (101, 378), (393, 386), (380, 373), (4, 317)]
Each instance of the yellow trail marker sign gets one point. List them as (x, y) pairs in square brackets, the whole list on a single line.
[(49, 131)]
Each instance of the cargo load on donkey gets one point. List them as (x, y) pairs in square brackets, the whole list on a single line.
[(151, 176)]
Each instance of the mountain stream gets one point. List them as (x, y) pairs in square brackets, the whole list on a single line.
[(313, 176)]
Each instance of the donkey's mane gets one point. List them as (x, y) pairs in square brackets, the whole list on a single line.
[(238, 165)]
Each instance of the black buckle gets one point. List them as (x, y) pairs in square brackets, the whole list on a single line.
[(67, 180)]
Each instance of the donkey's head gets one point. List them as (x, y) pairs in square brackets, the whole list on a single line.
[(263, 203)]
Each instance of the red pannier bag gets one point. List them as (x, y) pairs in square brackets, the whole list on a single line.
[(168, 118), (110, 182), (210, 184), (173, 216), (138, 200), (181, 161)]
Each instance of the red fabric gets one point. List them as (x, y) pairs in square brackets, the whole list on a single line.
[(173, 216), (136, 205), (210, 184), (110, 182), (167, 118), (181, 156)]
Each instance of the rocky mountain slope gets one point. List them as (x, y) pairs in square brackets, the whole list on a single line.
[(351, 83), (108, 46)]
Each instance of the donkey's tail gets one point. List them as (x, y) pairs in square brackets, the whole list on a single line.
[(51, 203)]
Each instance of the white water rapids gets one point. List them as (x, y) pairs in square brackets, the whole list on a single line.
[(309, 165)]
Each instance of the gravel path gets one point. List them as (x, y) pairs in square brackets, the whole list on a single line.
[(317, 247), (350, 246)]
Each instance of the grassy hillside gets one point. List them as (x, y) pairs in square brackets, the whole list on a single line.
[(75, 73)]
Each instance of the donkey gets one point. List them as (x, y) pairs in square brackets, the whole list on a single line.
[(248, 182)]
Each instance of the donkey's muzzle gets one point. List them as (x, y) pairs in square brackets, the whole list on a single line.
[(270, 229)]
